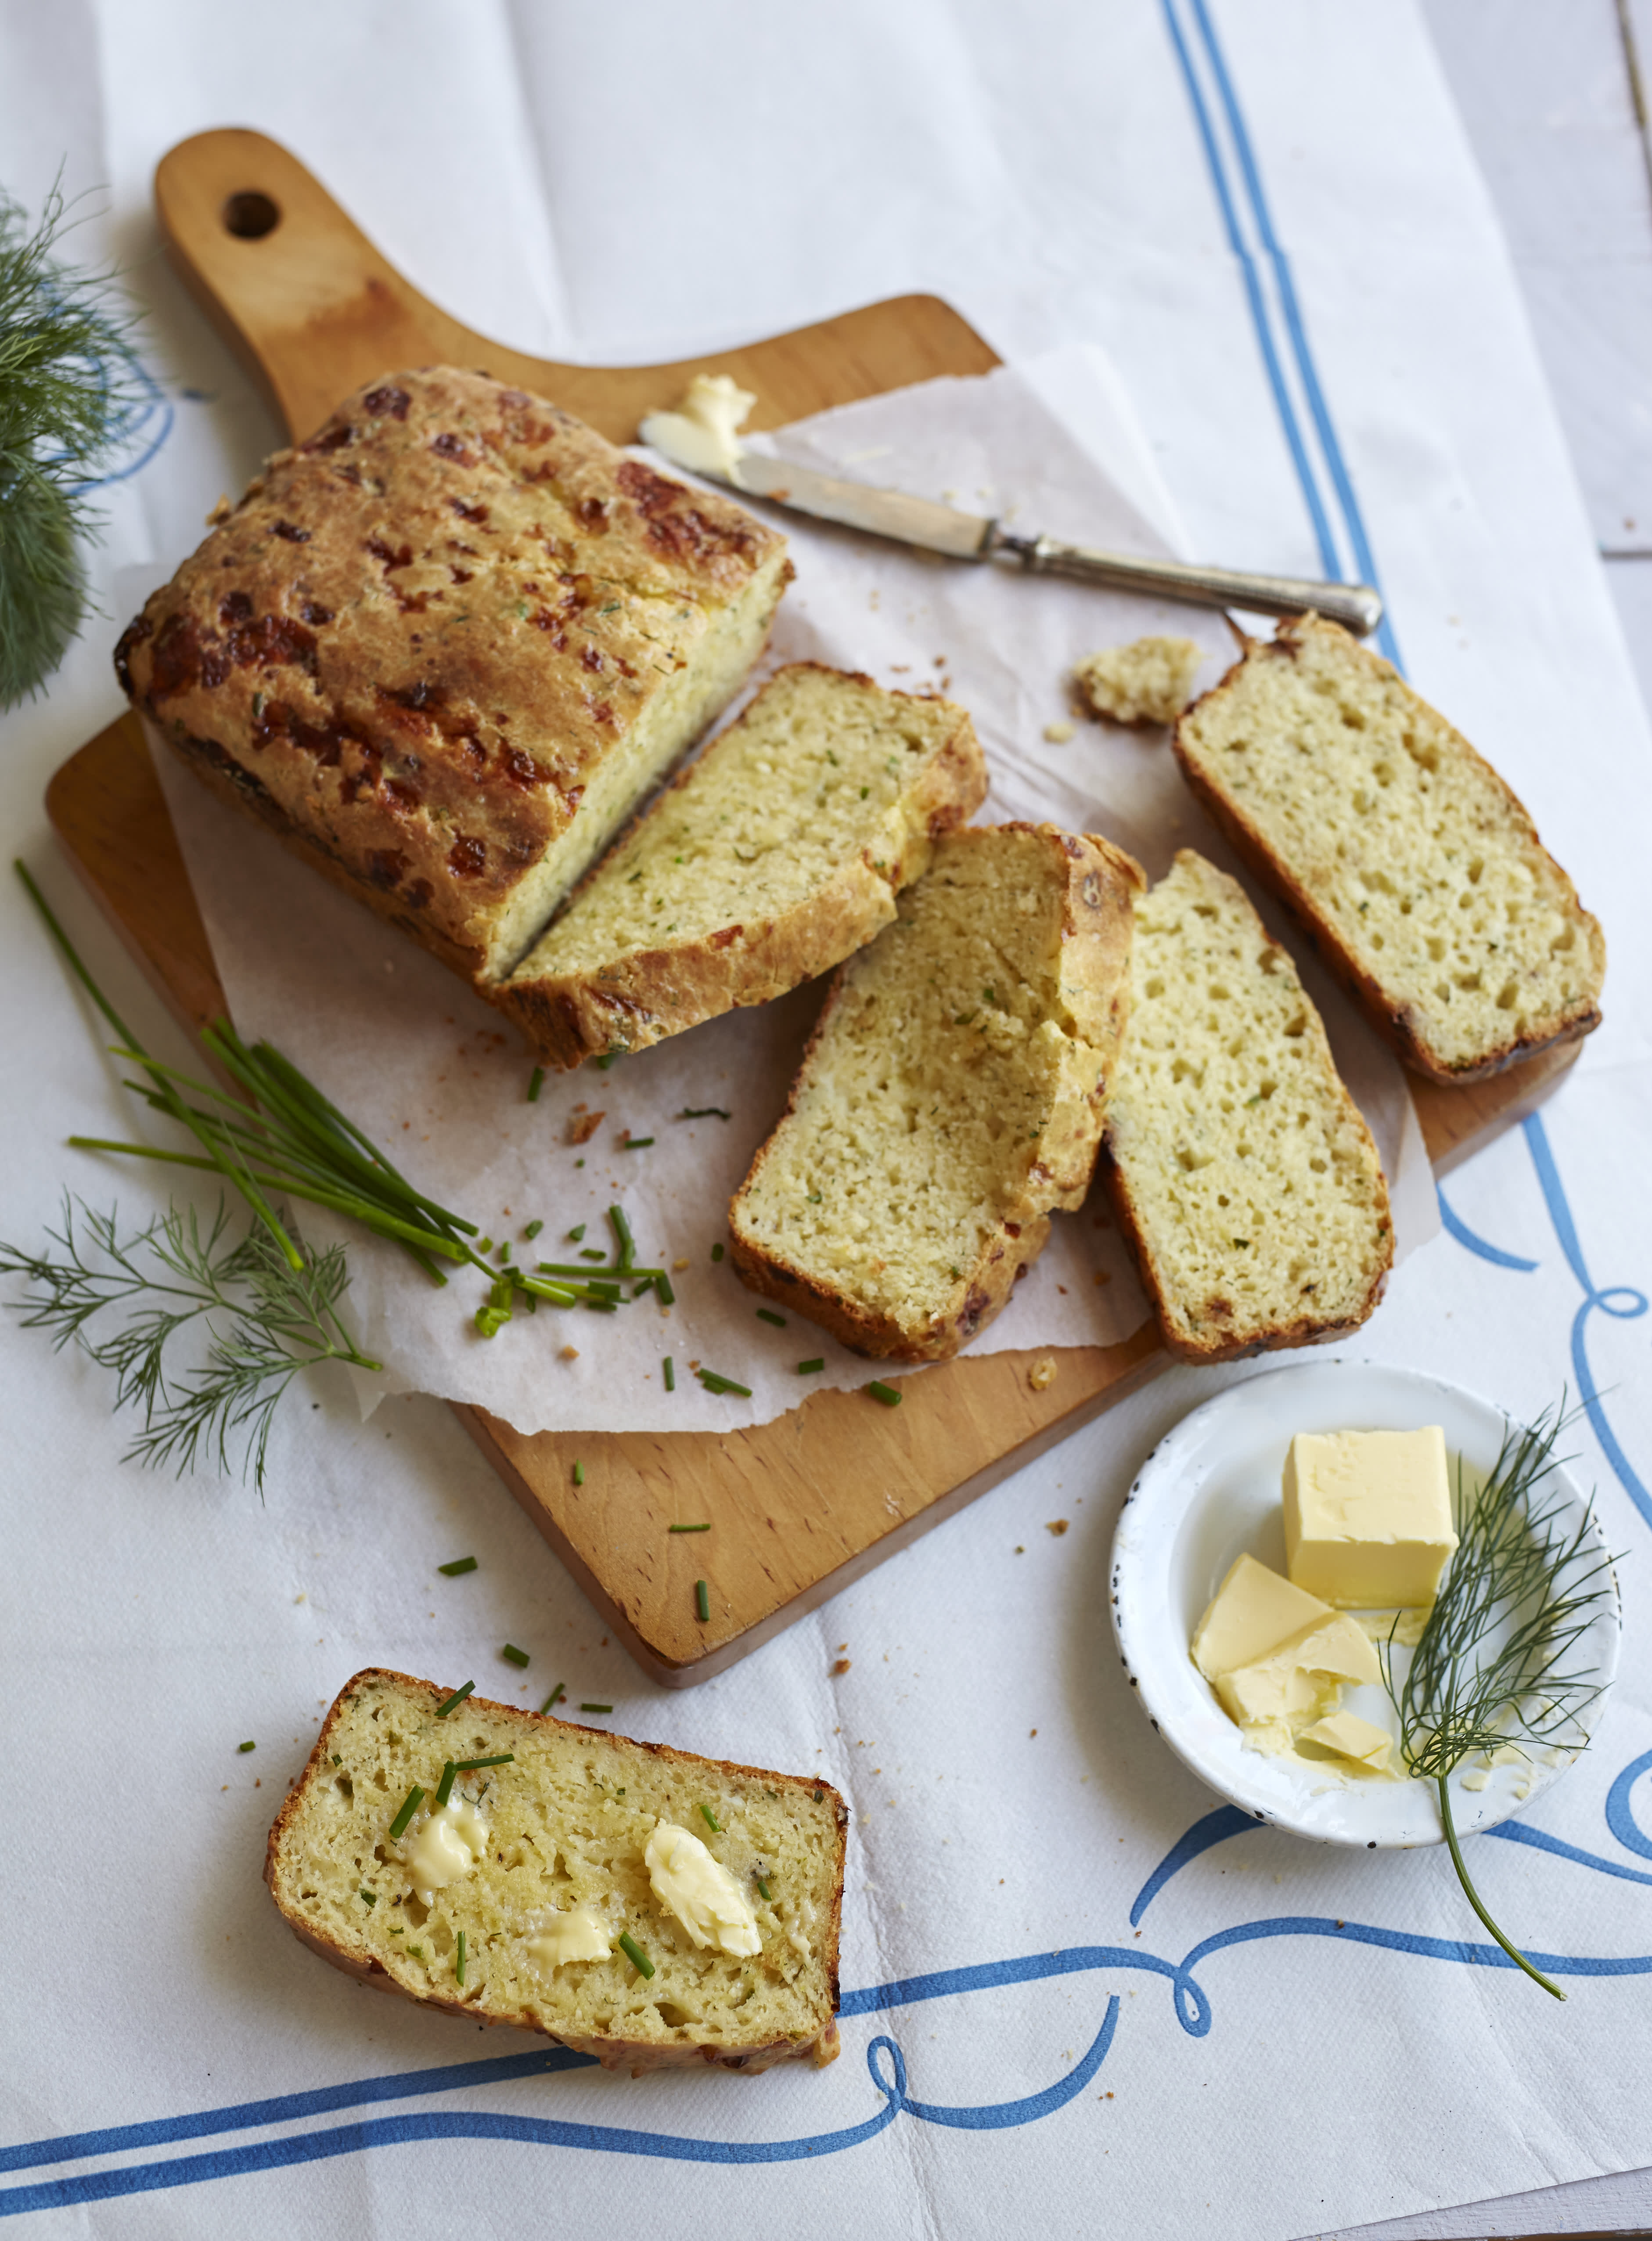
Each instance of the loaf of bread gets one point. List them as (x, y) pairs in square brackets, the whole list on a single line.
[(639, 1904), (1243, 1173), (1414, 869), (445, 647), (777, 855), (951, 1095)]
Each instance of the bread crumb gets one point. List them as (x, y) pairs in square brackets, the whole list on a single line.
[(681, 1261), (583, 1127), (571, 1354), (1043, 1375), (1058, 1526), (1104, 1276), (1146, 682), (840, 1665), (298, 1599), (1058, 734)]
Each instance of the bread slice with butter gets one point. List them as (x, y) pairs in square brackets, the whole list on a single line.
[(950, 1097), (1414, 868), (1243, 1173), (725, 1881), (775, 857)]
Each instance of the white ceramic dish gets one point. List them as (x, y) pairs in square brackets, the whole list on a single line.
[(1210, 1492)]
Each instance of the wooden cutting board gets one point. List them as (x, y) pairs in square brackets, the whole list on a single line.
[(799, 1507)]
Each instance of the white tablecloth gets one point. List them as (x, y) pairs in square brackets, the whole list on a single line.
[(1269, 217)]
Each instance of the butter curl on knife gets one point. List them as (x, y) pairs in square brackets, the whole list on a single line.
[(701, 431)]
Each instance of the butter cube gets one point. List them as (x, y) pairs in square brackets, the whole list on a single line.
[(1367, 1517), (1253, 1612), (1350, 1737)]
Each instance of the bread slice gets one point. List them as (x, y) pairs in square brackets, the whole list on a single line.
[(950, 1097), (563, 1829), (1243, 1173), (777, 855), (444, 647), (1412, 865)]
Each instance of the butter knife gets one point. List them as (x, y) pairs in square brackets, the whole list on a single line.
[(937, 528)]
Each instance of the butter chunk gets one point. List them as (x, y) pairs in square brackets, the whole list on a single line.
[(1350, 1737), (1367, 1517), (1300, 1682), (1253, 1612)]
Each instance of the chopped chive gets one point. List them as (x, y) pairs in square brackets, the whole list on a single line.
[(646, 1285), (371, 1898), (454, 1701), (485, 1244), (532, 1230), (808, 1368), (246, 1747), (472, 1765), (667, 1290), (459, 1959), (445, 1787), (704, 1113), (622, 1227), (690, 1528), (337, 1760), (610, 1058), (636, 1144), (593, 1252), (714, 1382), (596, 1707), (411, 1804), (460, 1564), (515, 1656), (886, 1394), (628, 1944), (601, 1289), (717, 1251), (504, 1250), (764, 1888), (711, 1820), (702, 1599), (574, 1236), (536, 1083), (670, 1375), (578, 1474), (768, 1316), (555, 1697)]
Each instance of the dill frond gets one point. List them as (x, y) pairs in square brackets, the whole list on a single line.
[(257, 1321), (1496, 1662), (73, 393)]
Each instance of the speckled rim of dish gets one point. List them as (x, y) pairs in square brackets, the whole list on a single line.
[(1209, 1491)]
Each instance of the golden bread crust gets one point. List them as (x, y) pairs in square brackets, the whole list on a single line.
[(422, 631)]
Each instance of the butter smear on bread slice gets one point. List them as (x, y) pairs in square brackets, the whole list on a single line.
[(518, 1870)]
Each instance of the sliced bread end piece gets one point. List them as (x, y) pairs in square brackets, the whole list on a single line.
[(547, 1851), (1414, 868), (775, 857), (1243, 1173), (950, 1097)]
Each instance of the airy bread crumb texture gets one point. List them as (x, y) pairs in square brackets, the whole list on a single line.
[(1244, 1172), (1415, 866), (567, 1821), (951, 1096), (1146, 682), (775, 856)]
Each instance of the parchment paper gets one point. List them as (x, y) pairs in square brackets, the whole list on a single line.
[(429, 1071)]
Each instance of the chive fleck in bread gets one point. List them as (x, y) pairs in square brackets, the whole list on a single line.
[(775, 857), (565, 1833), (444, 647), (951, 1095), (1413, 867), (1243, 1173)]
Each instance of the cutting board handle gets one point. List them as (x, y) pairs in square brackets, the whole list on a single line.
[(292, 282)]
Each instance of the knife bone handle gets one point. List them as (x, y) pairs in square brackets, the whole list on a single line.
[(1357, 606)]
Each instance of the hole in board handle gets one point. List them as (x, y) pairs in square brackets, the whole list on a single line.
[(249, 217)]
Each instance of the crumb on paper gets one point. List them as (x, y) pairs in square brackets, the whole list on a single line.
[(1058, 1526), (681, 1261), (1104, 1276), (570, 1354), (840, 1665), (582, 1126), (1059, 732), (1043, 1375), (1146, 682)]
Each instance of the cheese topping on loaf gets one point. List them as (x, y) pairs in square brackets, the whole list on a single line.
[(951, 1095), (1417, 869), (775, 857), (577, 1824), (1244, 1172), (446, 645)]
